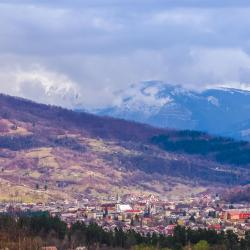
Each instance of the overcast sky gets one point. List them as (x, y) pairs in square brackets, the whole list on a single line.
[(91, 48)]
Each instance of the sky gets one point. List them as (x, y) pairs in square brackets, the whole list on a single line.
[(78, 53)]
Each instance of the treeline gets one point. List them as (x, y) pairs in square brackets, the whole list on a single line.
[(68, 142), (223, 150), (238, 194), (182, 239), (151, 164), (19, 142), (37, 230)]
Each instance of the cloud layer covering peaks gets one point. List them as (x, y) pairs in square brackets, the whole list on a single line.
[(78, 53)]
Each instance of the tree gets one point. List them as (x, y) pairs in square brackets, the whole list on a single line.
[(245, 243), (201, 245), (180, 235), (192, 218), (212, 214), (131, 239), (247, 238), (231, 240), (132, 222)]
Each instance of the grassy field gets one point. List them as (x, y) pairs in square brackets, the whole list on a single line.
[(44, 173)]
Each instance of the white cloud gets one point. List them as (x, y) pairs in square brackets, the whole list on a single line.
[(179, 17), (41, 85), (96, 47), (217, 65)]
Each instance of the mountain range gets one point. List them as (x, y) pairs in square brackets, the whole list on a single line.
[(220, 111), (51, 153)]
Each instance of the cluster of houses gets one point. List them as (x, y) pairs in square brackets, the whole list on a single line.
[(149, 214)]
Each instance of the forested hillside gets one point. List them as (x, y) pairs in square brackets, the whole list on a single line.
[(220, 149)]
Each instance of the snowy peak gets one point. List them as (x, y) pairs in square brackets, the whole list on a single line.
[(146, 98), (214, 110)]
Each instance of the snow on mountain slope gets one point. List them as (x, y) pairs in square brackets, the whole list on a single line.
[(223, 111)]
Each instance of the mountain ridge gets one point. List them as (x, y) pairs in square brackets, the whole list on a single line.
[(215, 111)]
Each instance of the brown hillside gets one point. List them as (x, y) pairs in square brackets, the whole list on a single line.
[(48, 152)]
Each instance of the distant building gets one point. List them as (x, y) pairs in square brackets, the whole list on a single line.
[(121, 208), (235, 215)]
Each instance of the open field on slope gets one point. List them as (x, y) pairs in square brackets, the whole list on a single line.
[(10, 191), (67, 172), (12, 128)]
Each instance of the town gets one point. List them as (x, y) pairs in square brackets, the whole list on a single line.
[(146, 215)]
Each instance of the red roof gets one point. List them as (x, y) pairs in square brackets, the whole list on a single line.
[(133, 211), (216, 227), (171, 226)]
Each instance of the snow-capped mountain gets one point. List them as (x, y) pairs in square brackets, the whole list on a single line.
[(222, 111)]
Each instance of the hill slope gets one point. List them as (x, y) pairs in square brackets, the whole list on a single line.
[(48, 152)]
